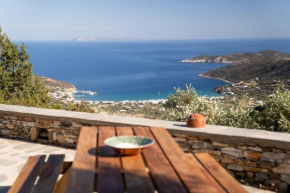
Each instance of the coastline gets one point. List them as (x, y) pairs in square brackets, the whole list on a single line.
[(150, 101), (204, 76), (205, 61)]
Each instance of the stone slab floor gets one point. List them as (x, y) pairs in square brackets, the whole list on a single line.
[(14, 154)]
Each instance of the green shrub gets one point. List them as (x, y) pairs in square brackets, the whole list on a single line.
[(236, 114), (184, 102), (274, 115), (80, 107)]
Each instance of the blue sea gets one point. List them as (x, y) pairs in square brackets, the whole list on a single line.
[(138, 70)]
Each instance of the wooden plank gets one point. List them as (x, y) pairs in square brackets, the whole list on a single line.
[(163, 174), (136, 177), (219, 173), (81, 178), (110, 177), (65, 166), (124, 131), (62, 183), (26, 179), (49, 174), (193, 175)]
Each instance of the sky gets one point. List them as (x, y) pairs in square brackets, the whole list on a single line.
[(146, 20)]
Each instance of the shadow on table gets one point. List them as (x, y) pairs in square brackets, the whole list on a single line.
[(104, 151)]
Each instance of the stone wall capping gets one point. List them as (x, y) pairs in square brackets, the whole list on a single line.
[(280, 140)]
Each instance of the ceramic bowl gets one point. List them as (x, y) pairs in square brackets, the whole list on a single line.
[(129, 145)]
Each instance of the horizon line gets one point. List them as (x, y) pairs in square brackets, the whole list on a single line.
[(144, 40)]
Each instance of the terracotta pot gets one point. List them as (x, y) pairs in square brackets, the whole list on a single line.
[(196, 120)]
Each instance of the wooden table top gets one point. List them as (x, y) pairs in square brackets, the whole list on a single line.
[(162, 167)]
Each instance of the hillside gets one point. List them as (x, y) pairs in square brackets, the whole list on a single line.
[(54, 85), (240, 57), (256, 74), (265, 65), (264, 69)]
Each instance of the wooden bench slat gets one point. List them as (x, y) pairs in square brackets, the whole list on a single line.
[(136, 177), (65, 166), (26, 179), (190, 171), (110, 177), (164, 176), (62, 183), (49, 174), (220, 174), (81, 178)]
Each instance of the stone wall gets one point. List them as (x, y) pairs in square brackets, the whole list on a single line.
[(255, 157), (42, 130), (256, 164)]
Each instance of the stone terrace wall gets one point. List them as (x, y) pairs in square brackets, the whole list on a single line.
[(42, 130), (255, 156), (255, 163)]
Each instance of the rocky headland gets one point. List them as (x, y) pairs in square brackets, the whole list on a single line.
[(264, 65), (60, 89), (54, 85), (257, 74), (240, 57)]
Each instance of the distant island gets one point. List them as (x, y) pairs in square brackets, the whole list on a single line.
[(254, 73), (103, 39)]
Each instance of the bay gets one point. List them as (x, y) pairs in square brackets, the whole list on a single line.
[(139, 70)]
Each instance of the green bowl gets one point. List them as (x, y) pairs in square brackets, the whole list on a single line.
[(129, 145)]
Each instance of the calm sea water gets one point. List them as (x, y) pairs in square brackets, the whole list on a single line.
[(137, 70)]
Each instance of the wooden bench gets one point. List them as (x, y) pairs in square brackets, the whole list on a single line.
[(48, 174), (163, 167)]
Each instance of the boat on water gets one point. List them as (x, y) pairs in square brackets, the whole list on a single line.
[(91, 93), (88, 92)]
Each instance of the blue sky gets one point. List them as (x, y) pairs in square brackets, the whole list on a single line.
[(146, 20)]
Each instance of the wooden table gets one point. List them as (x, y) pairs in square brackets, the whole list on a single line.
[(163, 167)]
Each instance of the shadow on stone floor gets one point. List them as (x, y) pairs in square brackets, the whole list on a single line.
[(4, 189), (17, 140)]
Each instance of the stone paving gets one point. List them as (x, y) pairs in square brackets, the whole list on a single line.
[(14, 154)]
